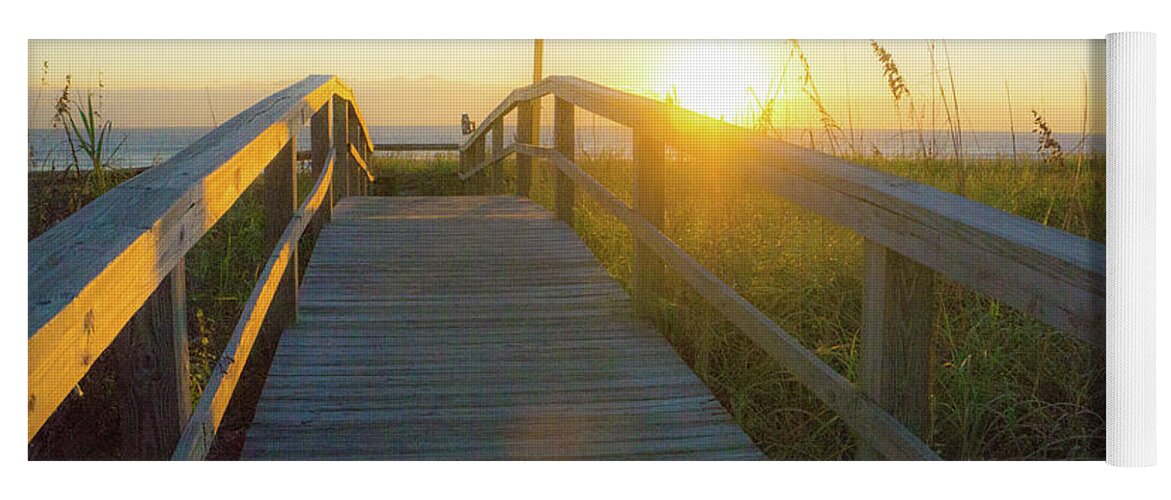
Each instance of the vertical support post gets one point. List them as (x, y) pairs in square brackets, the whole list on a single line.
[(649, 179), (563, 134), (497, 147), (358, 139), (898, 333), (153, 376), (280, 203), (368, 159), (319, 130), (341, 149), (538, 71), (477, 160), (524, 135)]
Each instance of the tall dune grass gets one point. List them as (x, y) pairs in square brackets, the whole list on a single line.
[(1008, 387)]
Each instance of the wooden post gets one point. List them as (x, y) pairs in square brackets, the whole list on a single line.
[(357, 139), (538, 71), (898, 332), (153, 381), (319, 129), (341, 149), (467, 158), (524, 135), (280, 203), (368, 159), (563, 134), (649, 180), (478, 157), (497, 147)]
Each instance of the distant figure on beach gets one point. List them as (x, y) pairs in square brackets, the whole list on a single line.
[(469, 126)]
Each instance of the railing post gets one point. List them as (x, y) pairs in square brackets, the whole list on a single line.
[(280, 202), (153, 382), (341, 148), (524, 135), (366, 157), (649, 177), (478, 157), (563, 134), (357, 139), (319, 137), (497, 147), (898, 332)]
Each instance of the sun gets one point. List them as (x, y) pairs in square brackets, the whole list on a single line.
[(714, 77)]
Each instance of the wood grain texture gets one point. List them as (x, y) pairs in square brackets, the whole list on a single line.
[(89, 274), (320, 137), (524, 135), (563, 136), (538, 74), (467, 328), (876, 426), (1056, 277), (153, 379), (497, 150), (197, 437), (342, 177), (358, 151), (280, 204), (898, 339)]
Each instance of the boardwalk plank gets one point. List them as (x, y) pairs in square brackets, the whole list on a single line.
[(475, 328)]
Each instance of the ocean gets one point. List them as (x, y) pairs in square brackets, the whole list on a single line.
[(147, 147)]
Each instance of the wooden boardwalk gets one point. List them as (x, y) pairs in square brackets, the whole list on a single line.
[(475, 328), (483, 328)]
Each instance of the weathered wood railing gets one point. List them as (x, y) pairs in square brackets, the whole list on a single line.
[(911, 231), (115, 269)]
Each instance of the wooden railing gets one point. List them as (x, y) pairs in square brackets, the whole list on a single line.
[(911, 231), (116, 267)]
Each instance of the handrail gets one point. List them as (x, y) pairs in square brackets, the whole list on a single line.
[(89, 274), (517, 96), (361, 163), (911, 230), (1057, 277), (827, 384), (497, 157), (199, 433), (367, 142)]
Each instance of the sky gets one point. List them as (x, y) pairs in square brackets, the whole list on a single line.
[(151, 83)]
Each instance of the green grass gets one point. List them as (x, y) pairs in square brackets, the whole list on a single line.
[(403, 175), (222, 269), (1007, 387)]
